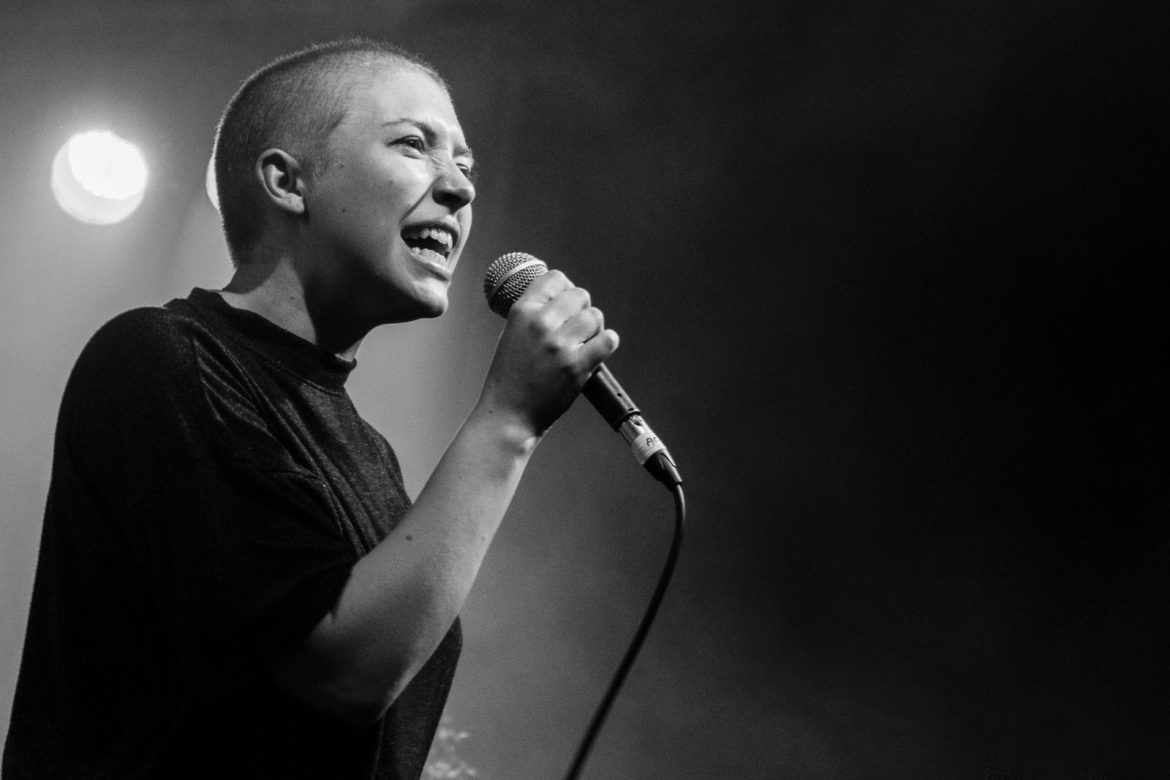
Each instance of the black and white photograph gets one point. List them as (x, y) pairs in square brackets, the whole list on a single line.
[(516, 390)]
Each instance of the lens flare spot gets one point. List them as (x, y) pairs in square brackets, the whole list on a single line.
[(99, 178)]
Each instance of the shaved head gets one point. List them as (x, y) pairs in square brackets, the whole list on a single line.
[(293, 103)]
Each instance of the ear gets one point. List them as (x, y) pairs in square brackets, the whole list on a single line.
[(282, 180)]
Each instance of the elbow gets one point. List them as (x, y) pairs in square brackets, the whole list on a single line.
[(359, 705), (355, 710)]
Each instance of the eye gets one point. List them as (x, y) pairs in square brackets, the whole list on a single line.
[(414, 142), (466, 166)]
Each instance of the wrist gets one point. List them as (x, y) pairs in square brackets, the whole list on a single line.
[(503, 428)]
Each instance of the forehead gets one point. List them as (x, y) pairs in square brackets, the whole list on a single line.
[(388, 94)]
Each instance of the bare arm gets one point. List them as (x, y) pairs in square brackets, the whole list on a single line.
[(403, 596)]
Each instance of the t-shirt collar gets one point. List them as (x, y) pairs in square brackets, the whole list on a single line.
[(273, 342)]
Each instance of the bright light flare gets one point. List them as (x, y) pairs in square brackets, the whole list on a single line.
[(210, 185), (99, 178)]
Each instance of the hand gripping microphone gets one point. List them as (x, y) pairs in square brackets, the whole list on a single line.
[(506, 280)]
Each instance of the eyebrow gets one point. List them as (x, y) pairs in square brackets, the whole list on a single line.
[(460, 149)]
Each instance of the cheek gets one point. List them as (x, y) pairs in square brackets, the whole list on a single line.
[(464, 231)]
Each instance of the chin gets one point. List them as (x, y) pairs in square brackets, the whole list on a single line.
[(421, 308), (435, 311), (435, 302)]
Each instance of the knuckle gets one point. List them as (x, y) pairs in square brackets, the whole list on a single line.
[(520, 309), (538, 330), (549, 319), (588, 320)]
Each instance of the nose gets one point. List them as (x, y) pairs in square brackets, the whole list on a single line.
[(453, 189)]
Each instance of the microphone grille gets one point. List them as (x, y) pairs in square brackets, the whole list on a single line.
[(507, 279)]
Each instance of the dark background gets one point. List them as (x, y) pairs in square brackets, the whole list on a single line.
[(891, 283)]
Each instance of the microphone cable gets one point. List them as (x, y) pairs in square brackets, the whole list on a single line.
[(680, 512), (506, 280)]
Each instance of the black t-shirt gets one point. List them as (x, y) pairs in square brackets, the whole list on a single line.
[(212, 486)]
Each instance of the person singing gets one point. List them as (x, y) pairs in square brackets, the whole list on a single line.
[(232, 580)]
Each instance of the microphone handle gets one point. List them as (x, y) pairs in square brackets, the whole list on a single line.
[(622, 414), (608, 397)]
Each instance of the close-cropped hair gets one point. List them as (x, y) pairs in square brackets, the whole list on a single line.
[(292, 103)]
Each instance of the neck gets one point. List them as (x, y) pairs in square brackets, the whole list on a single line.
[(275, 291)]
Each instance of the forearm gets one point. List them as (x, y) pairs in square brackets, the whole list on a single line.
[(403, 596)]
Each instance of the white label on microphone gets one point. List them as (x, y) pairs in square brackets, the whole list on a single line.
[(644, 443)]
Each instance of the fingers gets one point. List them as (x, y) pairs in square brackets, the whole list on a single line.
[(559, 307), (597, 349), (579, 320), (542, 290), (555, 338)]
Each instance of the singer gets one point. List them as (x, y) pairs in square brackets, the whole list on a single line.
[(232, 580)]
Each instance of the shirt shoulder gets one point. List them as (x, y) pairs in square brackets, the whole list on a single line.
[(155, 354), (134, 344), (141, 338)]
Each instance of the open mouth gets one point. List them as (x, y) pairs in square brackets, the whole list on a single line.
[(430, 242)]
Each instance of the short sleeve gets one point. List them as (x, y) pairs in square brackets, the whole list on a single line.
[(236, 543)]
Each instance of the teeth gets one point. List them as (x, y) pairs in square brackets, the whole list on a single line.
[(429, 255), (435, 234)]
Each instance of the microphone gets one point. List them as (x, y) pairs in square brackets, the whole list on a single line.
[(506, 280)]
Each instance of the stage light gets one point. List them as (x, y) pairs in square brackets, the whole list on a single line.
[(98, 178)]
